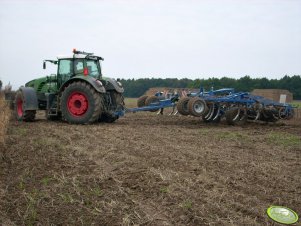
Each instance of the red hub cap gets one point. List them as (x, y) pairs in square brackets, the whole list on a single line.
[(20, 107), (77, 104)]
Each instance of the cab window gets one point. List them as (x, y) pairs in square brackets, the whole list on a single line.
[(65, 67), (65, 70), (78, 66), (93, 68)]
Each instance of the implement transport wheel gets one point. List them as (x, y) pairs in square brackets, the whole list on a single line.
[(182, 106), (197, 106), (236, 116), (141, 101), (80, 103), (152, 100), (21, 114)]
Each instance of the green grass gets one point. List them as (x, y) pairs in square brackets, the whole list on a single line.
[(186, 204), (164, 190), (284, 139), (32, 200), (45, 181), (296, 104), (234, 136), (130, 102), (66, 197)]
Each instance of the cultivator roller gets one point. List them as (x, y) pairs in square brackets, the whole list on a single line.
[(236, 108)]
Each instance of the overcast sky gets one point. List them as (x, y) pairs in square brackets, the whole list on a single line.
[(152, 38)]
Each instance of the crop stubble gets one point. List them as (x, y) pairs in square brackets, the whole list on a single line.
[(149, 170)]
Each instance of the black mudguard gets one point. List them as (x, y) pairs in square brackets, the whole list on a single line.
[(30, 98), (92, 81), (112, 84)]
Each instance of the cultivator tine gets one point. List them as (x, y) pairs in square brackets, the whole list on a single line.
[(160, 112)]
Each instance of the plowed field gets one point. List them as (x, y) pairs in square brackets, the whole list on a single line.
[(148, 169)]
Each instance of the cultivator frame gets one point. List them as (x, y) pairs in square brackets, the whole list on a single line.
[(214, 105)]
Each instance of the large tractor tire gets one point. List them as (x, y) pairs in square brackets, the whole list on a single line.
[(108, 118), (182, 106), (141, 101), (20, 109), (81, 103), (197, 107), (151, 100)]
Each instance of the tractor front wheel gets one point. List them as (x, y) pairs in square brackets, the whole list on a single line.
[(80, 103), (21, 114)]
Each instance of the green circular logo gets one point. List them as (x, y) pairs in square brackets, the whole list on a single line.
[(282, 214)]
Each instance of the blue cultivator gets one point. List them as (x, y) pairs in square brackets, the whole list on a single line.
[(212, 106)]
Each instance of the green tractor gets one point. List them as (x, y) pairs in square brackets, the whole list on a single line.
[(78, 93)]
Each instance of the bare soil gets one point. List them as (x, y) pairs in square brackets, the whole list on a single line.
[(148, 169)]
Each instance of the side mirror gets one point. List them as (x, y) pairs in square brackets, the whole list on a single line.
[(44, 65)]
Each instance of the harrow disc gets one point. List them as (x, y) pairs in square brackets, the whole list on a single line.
[(268, 116), (253, 114), (284, 113), (213, 114), (236, 116)]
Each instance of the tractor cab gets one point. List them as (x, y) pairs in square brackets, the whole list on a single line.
[(77, 65)]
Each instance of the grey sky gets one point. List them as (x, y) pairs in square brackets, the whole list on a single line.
[(149, 38)]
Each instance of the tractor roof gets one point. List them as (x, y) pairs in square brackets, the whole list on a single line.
[(77, 56), (80, 55)]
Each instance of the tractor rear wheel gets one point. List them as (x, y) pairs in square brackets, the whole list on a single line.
[(80, 103), (182, 106), (141, 101), (151, 100), (21, 114), (108, 118)]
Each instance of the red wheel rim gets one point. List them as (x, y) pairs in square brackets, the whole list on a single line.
[(77, 104), (20, 107)]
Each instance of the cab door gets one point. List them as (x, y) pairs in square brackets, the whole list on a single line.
[(65, 71)]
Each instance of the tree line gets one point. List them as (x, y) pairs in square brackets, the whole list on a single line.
[(137, 87)]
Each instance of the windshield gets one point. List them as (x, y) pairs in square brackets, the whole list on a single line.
[(93, 68)]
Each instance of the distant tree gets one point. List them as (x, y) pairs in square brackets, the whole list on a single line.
[(137, 87)]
